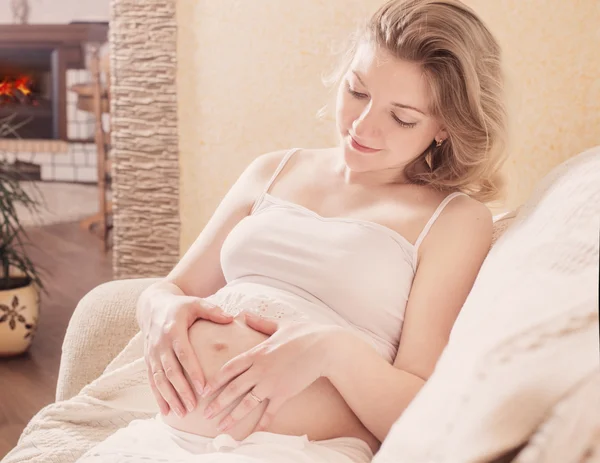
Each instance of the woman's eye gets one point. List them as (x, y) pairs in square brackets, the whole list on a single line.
[(408, 125), (362, 96), (356, 94)]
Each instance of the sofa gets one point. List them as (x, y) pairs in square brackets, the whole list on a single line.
[(519, 380)]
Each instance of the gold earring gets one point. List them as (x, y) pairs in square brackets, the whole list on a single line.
[(439, 143)]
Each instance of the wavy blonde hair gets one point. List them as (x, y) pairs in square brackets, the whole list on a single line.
[(461, 61)]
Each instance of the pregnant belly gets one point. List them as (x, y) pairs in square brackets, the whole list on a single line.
[(319, 411)]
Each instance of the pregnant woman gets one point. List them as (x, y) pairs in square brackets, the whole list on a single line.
[(317, 300)]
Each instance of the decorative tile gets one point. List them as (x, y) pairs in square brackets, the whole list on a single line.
[(86, 174), (64, 173)]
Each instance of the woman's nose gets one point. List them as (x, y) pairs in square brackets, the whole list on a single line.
[(365, 126)]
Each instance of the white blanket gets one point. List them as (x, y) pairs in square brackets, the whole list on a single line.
[(61, 432)]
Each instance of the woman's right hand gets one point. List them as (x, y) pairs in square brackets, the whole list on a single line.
[(168, 351)]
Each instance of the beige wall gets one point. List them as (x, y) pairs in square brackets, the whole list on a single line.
[(249, 82), (551, 55), (59, 11)]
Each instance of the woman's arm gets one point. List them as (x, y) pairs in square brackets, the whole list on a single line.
[(167, 309), (199, 272), (451, 257)]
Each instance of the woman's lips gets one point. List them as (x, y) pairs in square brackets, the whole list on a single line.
[(361, 148)]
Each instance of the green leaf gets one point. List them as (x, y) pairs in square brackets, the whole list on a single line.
[(12, 234)]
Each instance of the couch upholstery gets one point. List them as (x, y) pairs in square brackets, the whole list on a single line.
[(102, 323)]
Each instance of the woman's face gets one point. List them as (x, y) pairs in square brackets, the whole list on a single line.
[(382, 112)]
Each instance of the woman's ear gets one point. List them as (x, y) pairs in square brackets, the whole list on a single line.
[(442, 134)]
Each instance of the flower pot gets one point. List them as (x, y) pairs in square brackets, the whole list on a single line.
[(19, 312)]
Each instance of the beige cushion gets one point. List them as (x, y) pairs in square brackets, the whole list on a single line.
[(526, 335), (572, 430), (102, 324), (502, 223)]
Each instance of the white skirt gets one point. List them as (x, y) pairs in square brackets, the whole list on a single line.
[(152, 441)]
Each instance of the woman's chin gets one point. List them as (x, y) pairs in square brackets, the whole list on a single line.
[(357, 161)]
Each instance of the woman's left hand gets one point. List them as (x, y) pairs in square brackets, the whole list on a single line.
[(282, 366)]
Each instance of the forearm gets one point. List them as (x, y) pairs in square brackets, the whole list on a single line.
[(376, 391), (154, 293)]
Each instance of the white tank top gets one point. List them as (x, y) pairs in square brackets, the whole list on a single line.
[(287, 261)]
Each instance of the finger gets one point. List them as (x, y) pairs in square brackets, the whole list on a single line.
[(240, 411), (233, 391), (261, 324), (162, 403), (268, 415), (234, 367), (189, 361), (165, 388), (211, 312), (174, 373)]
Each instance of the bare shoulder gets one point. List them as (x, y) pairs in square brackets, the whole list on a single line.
[(466, 215), (465, 222), (465, 206), (304, 160), (263, 166), (313, 156)]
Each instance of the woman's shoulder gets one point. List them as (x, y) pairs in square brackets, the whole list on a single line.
[(460, 214), (429, 199), (448, 211), (265, 165)]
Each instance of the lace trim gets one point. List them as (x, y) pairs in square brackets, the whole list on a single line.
[(234, 303)]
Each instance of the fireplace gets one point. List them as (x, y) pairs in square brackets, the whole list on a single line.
[(28, 96), (34, 61)]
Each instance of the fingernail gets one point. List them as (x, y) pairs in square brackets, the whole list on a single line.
[(208, 412), (198, 386), (207, 391), (189, 405), (180, 412), (223, 426)]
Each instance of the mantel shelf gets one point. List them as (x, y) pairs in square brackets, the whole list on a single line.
[(52, 35)]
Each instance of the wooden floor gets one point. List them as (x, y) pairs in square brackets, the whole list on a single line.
[(72, 262)]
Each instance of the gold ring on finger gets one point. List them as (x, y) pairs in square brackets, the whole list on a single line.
[(255, 397)]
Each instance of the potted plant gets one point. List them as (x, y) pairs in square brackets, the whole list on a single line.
[(20, 283)]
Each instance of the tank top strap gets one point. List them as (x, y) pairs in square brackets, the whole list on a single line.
[(435, 215), (280, 167)]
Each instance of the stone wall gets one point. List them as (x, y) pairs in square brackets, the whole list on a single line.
[(143, 46)]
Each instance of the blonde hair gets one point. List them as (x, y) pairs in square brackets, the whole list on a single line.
[(461, 61)]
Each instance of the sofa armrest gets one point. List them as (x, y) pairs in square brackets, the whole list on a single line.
[(501, 224), (102, 324), (571, 430)]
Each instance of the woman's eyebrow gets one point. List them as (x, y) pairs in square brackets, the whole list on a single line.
[(405, 106), (398, 105)]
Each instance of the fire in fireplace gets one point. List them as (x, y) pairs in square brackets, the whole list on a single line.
[(27, 109), (16, 90)]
